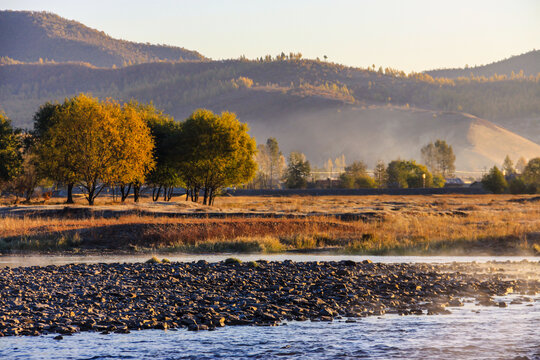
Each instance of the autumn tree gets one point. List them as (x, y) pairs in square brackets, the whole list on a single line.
[(276, 161), (214, 152), (520, 165), (134, 158), (298, 170), (94, 144), (356, 177), (379, 173), (508, 166), (10, 150), (439, 158), (271, 164)]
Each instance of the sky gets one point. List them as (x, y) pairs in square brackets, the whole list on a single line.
[(412, 35)]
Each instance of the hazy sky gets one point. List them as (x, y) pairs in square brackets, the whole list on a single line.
[(409, 35)]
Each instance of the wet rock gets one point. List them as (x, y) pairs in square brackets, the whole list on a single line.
[(120, 298)]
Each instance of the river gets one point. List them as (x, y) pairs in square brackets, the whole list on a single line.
[(469, 332)]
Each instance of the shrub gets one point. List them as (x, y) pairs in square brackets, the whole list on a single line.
[(153, 260), (494, 181), (232, 261)]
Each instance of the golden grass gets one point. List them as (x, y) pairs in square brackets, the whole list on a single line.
[(407, 224)]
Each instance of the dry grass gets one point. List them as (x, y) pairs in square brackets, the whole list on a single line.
[(407, 224)]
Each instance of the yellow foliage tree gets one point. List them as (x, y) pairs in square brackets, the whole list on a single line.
[(95, 144)]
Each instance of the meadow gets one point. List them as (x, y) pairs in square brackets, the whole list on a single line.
[(401, 225)]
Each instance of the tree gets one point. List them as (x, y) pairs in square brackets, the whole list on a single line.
[(408, 174), (10, 150), (215, 151), (356, 177), (494, 181), (27, 179), (275, 160), (164, 131), (380, 174), (94, 144), (270, 163), (531, 174), (134, 157), (298, 170), (439, 158), (508, 166), (340, 164), (520, 165), (44, 119)]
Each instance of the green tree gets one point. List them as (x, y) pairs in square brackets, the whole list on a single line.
[(494, 181), (10, 150), (439, 158), (356, 177), (298, 170), (28, 177), (215, 151), (44, 119), (408, 174), (531, 174)]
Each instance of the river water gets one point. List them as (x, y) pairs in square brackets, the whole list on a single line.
[(44, 260), (469, 332)]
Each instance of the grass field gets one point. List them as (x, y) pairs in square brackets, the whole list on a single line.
[(437, 224)]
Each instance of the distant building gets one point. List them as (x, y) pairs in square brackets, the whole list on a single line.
[(454, 183), (476, 185)]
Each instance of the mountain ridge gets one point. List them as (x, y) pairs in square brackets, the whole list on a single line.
[(528, 63), (29, 36)]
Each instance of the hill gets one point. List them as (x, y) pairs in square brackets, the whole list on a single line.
[(178, 88), (321, 109), (528, 64), (29, 36)]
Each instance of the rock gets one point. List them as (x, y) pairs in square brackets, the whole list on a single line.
[(203, 296)]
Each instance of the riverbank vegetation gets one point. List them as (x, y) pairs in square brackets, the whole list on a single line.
[(458, 225)]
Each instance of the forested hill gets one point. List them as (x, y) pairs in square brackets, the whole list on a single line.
[(529, 63), (29, 36), (178, 88)]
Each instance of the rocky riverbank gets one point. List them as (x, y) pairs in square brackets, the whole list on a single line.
[(202, 296)]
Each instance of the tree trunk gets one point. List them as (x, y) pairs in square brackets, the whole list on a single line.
[(211, 196), (136, 192), (156, 193), (70, 194), (124, 192), (205, 200), (187, 194), (170, 193), (90, 197)]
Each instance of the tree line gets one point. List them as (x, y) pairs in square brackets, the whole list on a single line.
[(521, 178), (297, 172), (92, 144)]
